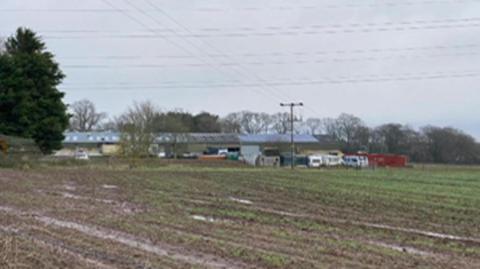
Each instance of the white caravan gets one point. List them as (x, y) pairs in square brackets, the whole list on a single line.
[(332, 160), (356, 161), (315, 161)]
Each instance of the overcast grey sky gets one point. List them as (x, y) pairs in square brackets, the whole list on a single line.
[(407, 61)]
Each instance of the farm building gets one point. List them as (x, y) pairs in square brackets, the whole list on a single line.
[(93, 143), (108, 143), (192, 144), (273, 145), (196, 143)]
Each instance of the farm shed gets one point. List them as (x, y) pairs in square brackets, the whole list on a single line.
[(94, 143), (196, 143), (281, 142), (250, 146), (255, 145)]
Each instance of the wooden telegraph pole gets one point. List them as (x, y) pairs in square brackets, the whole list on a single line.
[(292, 130)]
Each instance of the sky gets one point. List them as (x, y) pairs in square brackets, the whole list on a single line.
[(408, 61)]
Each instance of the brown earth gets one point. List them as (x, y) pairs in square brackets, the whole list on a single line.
[(177, 217)]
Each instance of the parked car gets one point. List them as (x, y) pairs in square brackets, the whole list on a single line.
[(81, 155)]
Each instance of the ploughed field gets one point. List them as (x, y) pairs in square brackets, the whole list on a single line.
[(180, 217)]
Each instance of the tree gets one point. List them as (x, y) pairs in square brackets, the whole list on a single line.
[(176, 121), (31, 106), (206, 123), (349, 131), (247, 122), (417, 146), (85, 117), (449, 145), (231, 123), (109, 125), (137, 127), (254, 123), (390, 138), (314, 126), (281, 123)]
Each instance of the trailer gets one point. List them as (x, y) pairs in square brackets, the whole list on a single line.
[(356, 161), (315, 161)]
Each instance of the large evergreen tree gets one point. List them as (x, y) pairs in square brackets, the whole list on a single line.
[(31, 106)]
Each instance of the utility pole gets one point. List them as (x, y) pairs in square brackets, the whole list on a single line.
[(292, 130)]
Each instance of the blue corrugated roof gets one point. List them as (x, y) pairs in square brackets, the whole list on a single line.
[(114, 137), (276, 138), (91, 137), (202, 138)]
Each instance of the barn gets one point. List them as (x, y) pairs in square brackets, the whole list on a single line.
[(250, 146), (95, 144)]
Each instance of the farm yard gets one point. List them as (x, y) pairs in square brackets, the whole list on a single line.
[(176, 216)]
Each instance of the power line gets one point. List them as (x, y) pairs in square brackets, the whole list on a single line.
[(272, 33), (284, 28), (153, 31), (176, 22), (285, 8), (188, 41), (239, 66), (373, 78), (270, 84), (373, 51), (265, 63)]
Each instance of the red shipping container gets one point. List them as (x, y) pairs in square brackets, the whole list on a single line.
[(387, 160)]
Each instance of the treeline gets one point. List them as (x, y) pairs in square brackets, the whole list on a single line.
[(428, 144), (85, 118)]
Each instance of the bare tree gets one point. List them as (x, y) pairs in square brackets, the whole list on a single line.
[(232, 123), (314, 126), (110, 125), (449, 145), (348, 130), (266, 122), (281, 123), (254, 123), (330, 127), (85, 116), (137, 126)]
